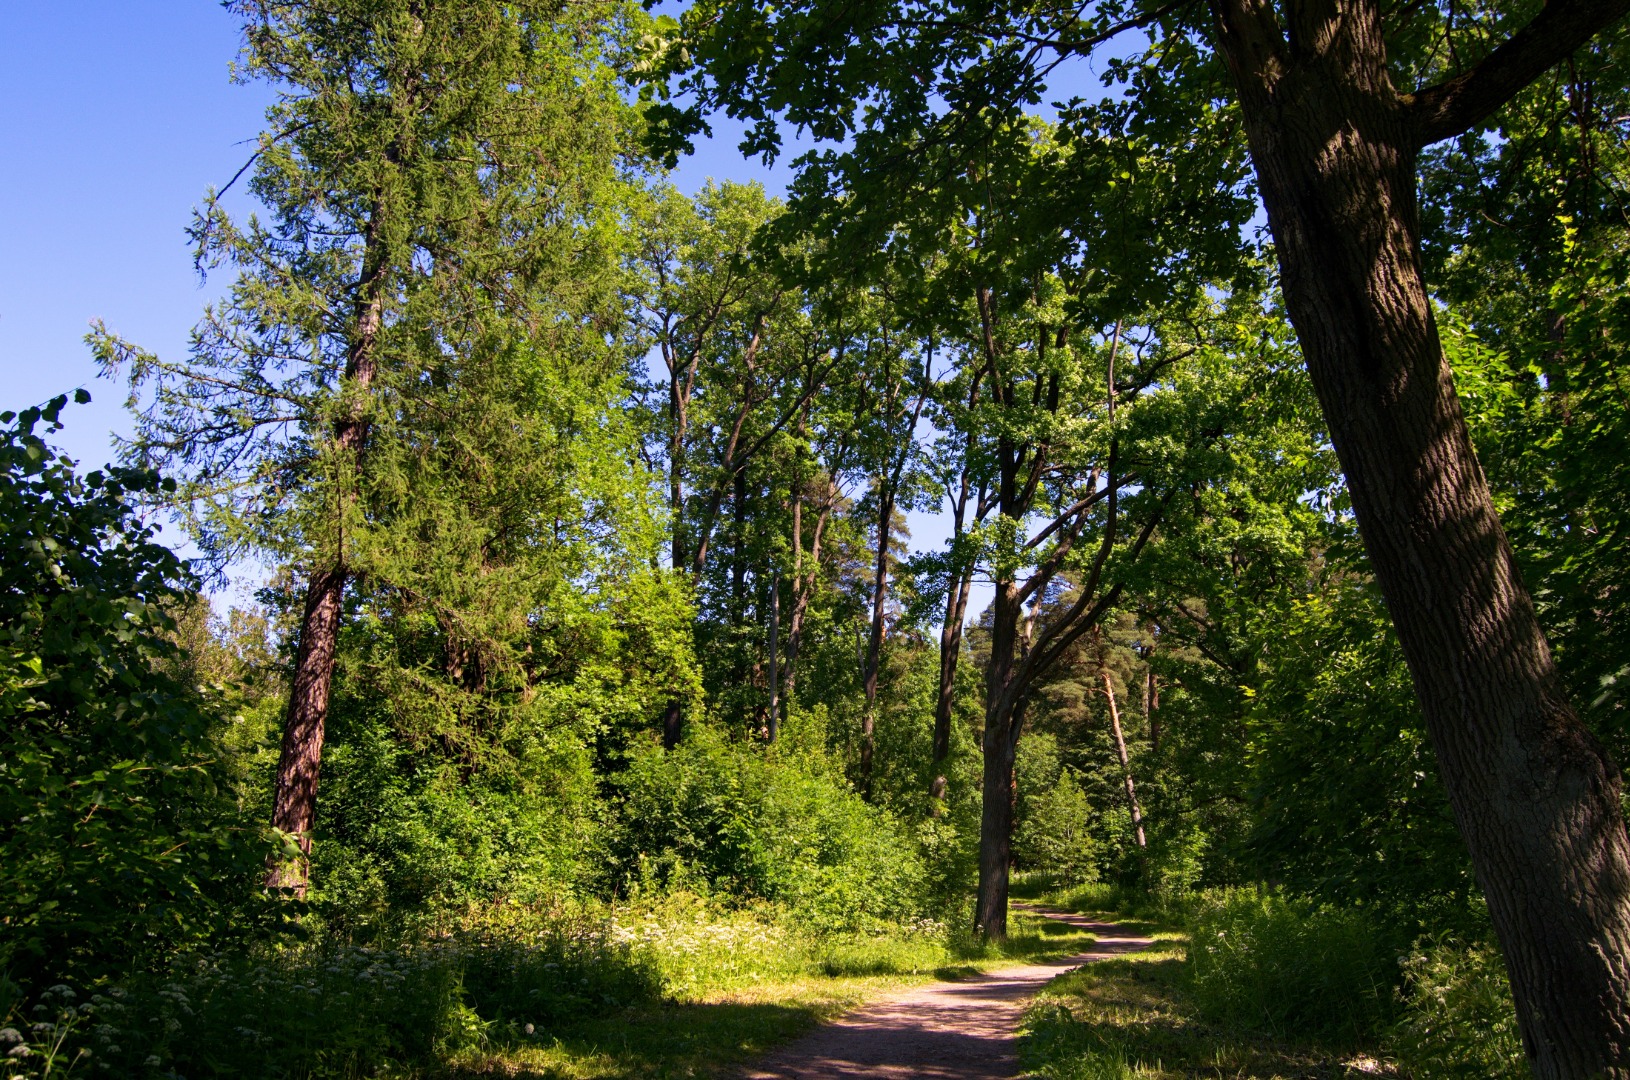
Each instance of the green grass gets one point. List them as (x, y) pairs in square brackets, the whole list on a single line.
[(742, 984), (676, 987), (1136, 1017)]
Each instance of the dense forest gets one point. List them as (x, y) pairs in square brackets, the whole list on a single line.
[(1262, 364)]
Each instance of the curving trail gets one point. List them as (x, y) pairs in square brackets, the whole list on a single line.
[(945, 1031)]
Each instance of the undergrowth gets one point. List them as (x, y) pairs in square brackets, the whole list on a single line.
[(675, 986), (1256, 980)]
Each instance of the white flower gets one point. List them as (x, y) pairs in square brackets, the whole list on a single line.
[(10, 1035)]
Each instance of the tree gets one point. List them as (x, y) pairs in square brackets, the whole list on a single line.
[(1334, 147), (744, 356), (435, 175)]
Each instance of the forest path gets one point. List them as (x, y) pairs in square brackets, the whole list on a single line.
[(965, 1030)]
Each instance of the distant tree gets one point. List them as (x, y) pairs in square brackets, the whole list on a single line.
[(440, 178)]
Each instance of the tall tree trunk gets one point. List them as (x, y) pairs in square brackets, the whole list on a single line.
[(773, 726), (804, 581), (1120, 749), (956, 611), (294, 800), (1151, 706), (1534, 794), (874, 640), (294, 795), (1004, 718)]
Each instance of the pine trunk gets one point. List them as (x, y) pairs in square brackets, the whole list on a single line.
[(294, 798), (294, 806), (1534, 794), (1126, 760)]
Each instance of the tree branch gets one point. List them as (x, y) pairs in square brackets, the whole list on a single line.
[(1562, 26)]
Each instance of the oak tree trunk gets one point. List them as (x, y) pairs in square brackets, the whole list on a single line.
[(1533, 793), (1004, 720), (996, 827)]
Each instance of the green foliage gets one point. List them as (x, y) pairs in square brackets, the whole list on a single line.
[(330, 1010), (1059, 827), (1347, 802), (1260, 960), (1458, 1022), (115, 840), (735, 818)]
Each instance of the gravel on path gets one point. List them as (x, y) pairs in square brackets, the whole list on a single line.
[(965, 1030)]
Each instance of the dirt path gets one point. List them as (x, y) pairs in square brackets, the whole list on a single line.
[(945, 1031)]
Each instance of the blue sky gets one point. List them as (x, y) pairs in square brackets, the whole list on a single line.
[(115, 117)]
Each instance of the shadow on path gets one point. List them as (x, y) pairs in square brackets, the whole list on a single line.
[(947, 1031)]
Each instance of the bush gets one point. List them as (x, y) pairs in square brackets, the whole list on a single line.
[(332, 1010), (1459, 1022), (115, 842), (1263, 961), (756, 824)]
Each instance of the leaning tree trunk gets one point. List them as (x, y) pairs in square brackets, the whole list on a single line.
[(1132, 805), (294, 803), (1533, 793), (294, 798)]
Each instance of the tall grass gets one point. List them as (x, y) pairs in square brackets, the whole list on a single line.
[(1458, 1019), (1262, 961)]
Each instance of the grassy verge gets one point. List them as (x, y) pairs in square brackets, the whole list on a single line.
[(1137, 1016), (673, 988), (739, 984)]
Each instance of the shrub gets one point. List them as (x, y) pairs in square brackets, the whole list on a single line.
[(114, 839), (753, 824), (333, 1010), (1264, 961), (1458, 1022)]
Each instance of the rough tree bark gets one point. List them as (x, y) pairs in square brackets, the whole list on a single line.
[(1004, 722), (294, 796), (1535, 796)]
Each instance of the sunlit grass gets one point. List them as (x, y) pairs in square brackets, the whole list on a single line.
[(1131, 1018), (740, 983)]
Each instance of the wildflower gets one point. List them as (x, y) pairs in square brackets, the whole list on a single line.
[(21, 1050), (151, 1061), (529, 1029), (10, 1035)]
